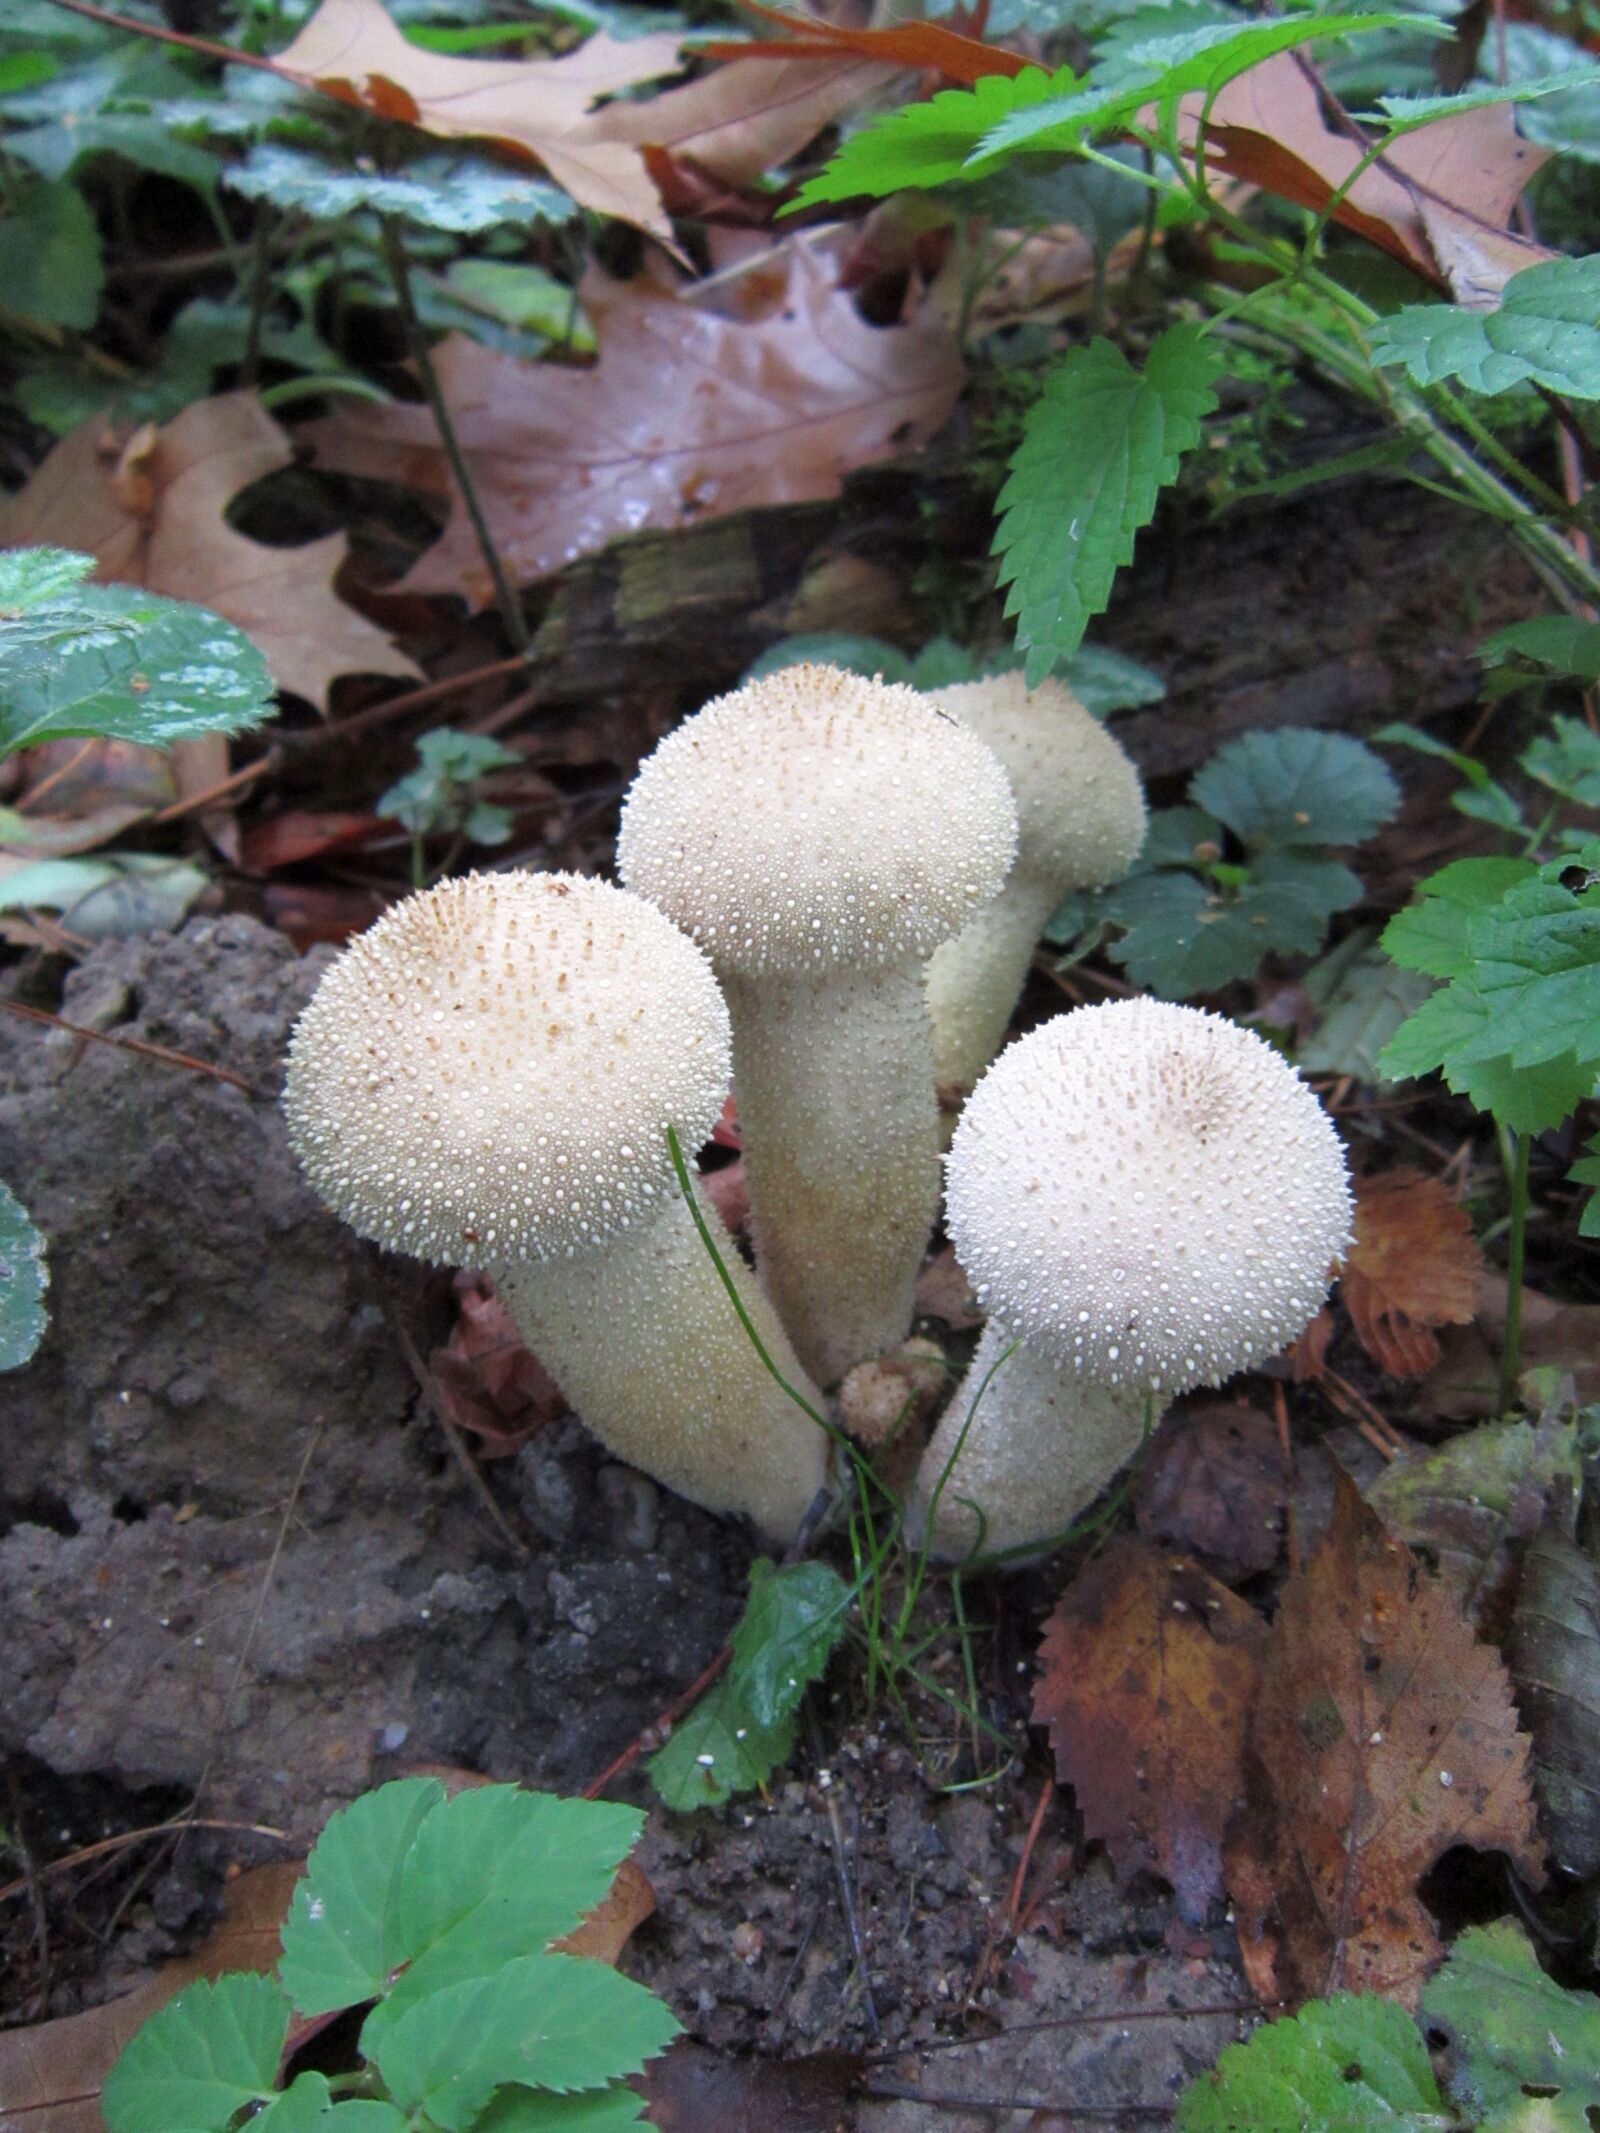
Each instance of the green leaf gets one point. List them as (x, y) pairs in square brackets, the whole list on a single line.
[(857, 655), (517, 294), (1567, 122), (1538, 967), (1098, 446), (1362, 999), (1294, 785), (1456, 1022), (1105, 681), (1354, 2064), (24, 1277), (111, 660), (941, 663), (110, 897), (200, 2059), (1407, 113), (308, 2105), (1431, 934), (50, 265), (545, 2021), (462, 194), (718, 1750), (1516, 2033), (1182, 937), (1100, 202), (929, 144), (611, 2110), (1545, 333), (29, 577), (342, 1937), (1586, 1171), (1291, 896), (791, 1625), (1559, 641), (116, 104), (1567, 759)]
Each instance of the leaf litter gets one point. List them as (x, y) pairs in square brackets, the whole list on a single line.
[(1414, 1265)]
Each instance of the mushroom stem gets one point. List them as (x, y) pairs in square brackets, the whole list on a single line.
[(976, 980), (642, 1320), (1039, 1444), (841, 1134)]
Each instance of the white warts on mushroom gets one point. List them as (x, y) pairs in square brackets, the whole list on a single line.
[(486, 1079), (819, 834), (1146, 1198), (1080, 823)]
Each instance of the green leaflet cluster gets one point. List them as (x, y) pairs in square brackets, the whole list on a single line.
[(442, 1913)]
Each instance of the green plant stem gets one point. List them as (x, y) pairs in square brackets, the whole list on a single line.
[(1516, 1252), (394, 254), (259, 295)]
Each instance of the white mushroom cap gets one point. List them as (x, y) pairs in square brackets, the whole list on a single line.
[(489, 1073), (1080, 806), (813, 818), (1149, 1194)]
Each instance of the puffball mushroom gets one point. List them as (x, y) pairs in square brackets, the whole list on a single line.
[(1080, 823), (486, 1078), (819, 834), (1147, 1198)]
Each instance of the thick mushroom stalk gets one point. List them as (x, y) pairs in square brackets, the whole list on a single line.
[(818, 834), (1080, 823), (1148, 1198), (486, 1078)]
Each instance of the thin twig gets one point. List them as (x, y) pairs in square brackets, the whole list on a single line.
[(402, 706), (452, 1436), (157, 1052), (227, 788), (120, 1843), (649, 1738)]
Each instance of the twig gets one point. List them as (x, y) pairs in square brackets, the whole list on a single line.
[(224, 789), (650, 1737), (1118, 2016), (107, 1845), (130, 1044), (30, 1881), (1098, 2114), (452, 1436), (31, 799), (228, 54), (401, 706)]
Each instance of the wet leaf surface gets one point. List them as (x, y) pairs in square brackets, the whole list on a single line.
[(1555, 1667)]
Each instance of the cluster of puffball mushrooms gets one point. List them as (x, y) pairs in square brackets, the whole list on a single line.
[(833, 888)]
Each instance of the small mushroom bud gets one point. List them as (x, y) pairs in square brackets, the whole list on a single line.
[(818, 834), (1147, 1198), (486, 1078), (1080, 822)]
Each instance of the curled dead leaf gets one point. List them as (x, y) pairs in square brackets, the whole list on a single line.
[(1414, 1264)]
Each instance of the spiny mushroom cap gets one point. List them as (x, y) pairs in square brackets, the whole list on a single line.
[(1080, 806), (1149, 1193), (813, 818), (489, 1073)]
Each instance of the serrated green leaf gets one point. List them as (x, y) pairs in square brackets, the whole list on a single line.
[(1567, 759), (24, 1277), (611, 2110), (791, 1625), (200, 2059), (1586, 1171), (1407, 113), (1431, 934), (50, 267), (1545, 333), (1101, 201), (302, 2107), (716, 1751), (1537, 954), (110, 660), (463, 194), (1291, 896), (1353, 2064), (1105, 681), (1516, 2033), (1293, 785), (31, 577), (1559, 641), (1181, 938), (1099, 445), (342, 1938), (115, 104), (545, 2021), (929, 144), (1457, 1021)]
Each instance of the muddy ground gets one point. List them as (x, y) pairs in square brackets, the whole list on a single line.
[(240, 1560)]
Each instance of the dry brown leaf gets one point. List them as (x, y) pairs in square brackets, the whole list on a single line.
[(1146, 1675), (1383, 1734), (1213, 1483), (1414, 1265), (945, 1293), (52, 2072), (1558, 1336), (150, 511), (536, 107), (1440, 199), (687, 415), (739, 120), (929, 47), (692, 2090)]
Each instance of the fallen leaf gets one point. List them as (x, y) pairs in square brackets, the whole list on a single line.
[(1146, 1675), (1308, 1356), (1383, 1734), (1212, 1483), (1555, 1666), (1559, 1336), (927, 46), (312, 916), (538, 108), (297, 835), (1473, 1501), (740, 120), (686, 416), (490, 1382), (1414, 1264), (610, 1926), (151, 512), (691, 2090), (945, 1293), (728, 1190)]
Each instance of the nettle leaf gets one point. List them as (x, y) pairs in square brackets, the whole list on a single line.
[(929, 144), (1559, 641), (1431, 934), (1449, 1033), (200, 2059), (1099, 445), (461, 193), (341, 1938), (1406, 113), (31, 576), (1293, 785), (719, 1750), (1545, 332), (1515, 2033), (113, 661), (24, 1277), (545, 2021), (611, 2110), (50, 266), (791, 1626), (1353, 2063)]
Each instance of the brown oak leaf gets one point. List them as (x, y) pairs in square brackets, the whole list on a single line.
[(150, 509), (1383, 1735), (1147, 1671), (1414, 1265)]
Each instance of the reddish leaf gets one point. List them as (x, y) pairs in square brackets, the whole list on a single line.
[(1146, 1674), (491, 1384), (312, 916), (737, 121), (1383, 1735), (926, 46), (1213, 1484), (295, 836), (1414, 1265)]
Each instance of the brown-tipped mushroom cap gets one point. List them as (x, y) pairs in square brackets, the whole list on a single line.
[(1149, 1194), (816, 818), (489, 1073)]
